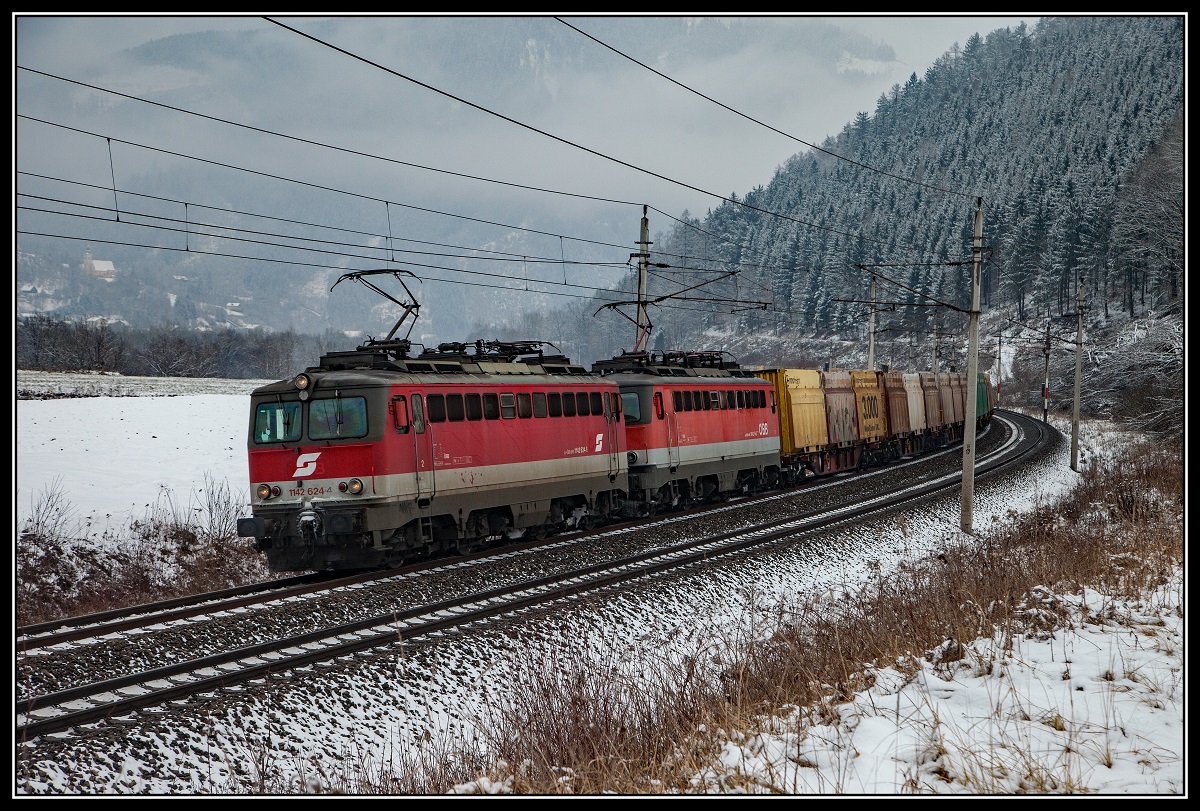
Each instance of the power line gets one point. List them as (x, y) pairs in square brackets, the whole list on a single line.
[(311, 142), (313, 185), (499, 256), (565, 141), (756, 121)]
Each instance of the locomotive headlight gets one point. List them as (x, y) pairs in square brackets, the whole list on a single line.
[(303, 381), (633, 457), (263, 491), (356, 486)]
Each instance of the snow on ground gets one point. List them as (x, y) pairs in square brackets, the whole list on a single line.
[(153, 442), (1099, 709)]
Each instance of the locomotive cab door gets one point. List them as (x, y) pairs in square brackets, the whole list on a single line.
[(612, 417), (422, 433), (672, 431)]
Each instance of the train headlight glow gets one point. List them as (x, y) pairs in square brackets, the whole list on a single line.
[(356, 486), (303, 381), (263, 491)]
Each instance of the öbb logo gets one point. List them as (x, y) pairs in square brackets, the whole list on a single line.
[(306, 464)]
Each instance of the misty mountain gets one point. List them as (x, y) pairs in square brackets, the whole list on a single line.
[(1052, 128), (194, 241)]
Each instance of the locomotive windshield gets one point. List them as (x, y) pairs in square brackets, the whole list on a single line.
[(277, 422), (338, 418), (632, 406)]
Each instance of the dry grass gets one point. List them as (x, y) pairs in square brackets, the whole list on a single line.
[(580, 729), (171, 551)]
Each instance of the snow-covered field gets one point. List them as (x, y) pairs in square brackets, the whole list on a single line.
[(124, 445)]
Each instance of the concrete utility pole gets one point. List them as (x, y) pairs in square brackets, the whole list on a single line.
[(643, 320), (972, 392), (871, 340), (999, 363), (1078, 373), (1046, 385)]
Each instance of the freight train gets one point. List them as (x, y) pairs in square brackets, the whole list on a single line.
[(376, 456)]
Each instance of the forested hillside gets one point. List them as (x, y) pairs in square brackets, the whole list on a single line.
[(1070, 139)]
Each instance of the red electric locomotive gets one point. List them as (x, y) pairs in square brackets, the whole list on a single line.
[(372, 458), (698, 428)]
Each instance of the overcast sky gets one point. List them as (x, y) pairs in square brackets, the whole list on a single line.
[(797, 74)]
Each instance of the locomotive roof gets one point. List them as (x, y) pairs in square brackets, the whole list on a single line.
[(652, 365), (442, 373)]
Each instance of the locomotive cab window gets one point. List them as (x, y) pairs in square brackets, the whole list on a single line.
[(632, 405), (277, 422), (337, 418)]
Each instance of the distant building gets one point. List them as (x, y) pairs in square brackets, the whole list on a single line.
[(100, 268)]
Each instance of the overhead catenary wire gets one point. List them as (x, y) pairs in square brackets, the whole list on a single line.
[(473, 177), (760, 123), (566, 141)]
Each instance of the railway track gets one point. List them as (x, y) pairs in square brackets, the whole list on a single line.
[(412, 603)]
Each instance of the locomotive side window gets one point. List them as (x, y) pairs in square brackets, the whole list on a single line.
[(454, 407), (582, 406), (523, 407), (337, 418), (698, 401), (597, 401), (474, 407), (554, 403), (741, 399), (418, 416), (400, 414), (714, 401), (277, 422), (677, 396), (436, 407), (539, 404), (568, 404), (491, 406), (658, 405)]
